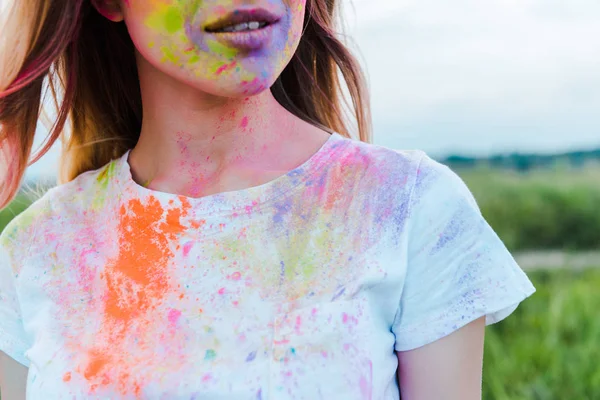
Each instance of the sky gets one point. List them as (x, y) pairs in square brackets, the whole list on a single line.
[(474, 77)]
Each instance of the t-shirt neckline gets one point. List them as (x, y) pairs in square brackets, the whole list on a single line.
[(242, 200)]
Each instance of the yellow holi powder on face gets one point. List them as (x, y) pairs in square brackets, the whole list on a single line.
[(167, 20)]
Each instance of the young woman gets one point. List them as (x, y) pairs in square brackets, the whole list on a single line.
[(217, 234)]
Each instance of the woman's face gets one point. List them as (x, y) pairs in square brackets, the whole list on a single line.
[(227, 48)]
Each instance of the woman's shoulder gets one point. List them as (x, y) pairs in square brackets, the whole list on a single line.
[(57, 205), (406, 174), (380, 155), (412, 167)]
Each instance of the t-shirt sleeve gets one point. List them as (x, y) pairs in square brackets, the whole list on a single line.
[(457, 268), (12, 333)]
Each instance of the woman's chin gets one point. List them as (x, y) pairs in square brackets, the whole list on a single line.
[(240, 88)]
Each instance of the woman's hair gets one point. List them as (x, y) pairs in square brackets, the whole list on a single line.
[(68, 49)]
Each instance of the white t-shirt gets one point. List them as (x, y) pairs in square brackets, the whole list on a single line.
[(300, 288)]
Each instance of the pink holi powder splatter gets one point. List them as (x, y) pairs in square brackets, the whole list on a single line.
[(187, 247), (174, 316), (366, 383), (225, 67), (222, 290), (236, 276), (244, 122)]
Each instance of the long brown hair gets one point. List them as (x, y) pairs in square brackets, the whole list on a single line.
[(63, 46)]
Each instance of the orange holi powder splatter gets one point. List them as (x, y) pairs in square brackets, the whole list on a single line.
[(137, 281)]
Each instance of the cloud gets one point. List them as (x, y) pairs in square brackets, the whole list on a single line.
[(476, 76)]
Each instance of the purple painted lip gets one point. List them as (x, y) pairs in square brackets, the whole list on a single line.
[(244, 40), (240, 16)]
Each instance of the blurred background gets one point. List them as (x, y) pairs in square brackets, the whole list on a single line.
[(507, 93)]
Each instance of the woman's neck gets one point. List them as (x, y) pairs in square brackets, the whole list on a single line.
[(194, 143)]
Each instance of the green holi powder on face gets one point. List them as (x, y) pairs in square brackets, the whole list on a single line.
[(195, 6), (169, 55), (215, 67), (221, 49), (210, 355), (167, 20), (194, 59), (173, 20)]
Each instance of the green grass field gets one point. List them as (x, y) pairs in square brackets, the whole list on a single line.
[(17, 206), (549, 348), (543, 209)]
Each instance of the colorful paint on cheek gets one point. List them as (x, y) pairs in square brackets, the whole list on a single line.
[(225, 67), (221, 50), (166, 20), (173, 20)]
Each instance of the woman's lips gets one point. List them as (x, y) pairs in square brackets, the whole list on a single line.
[(239, 16), (245, 40), (251, 36)]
